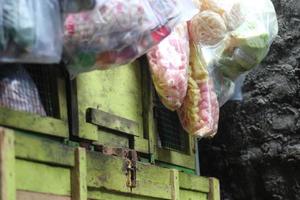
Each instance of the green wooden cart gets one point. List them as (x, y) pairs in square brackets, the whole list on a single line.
[(106, 136)]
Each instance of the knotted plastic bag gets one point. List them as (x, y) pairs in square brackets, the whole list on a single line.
[(30, 31), (169, 61), (117, 32), (199, 114), (235, 36), (18, 91)]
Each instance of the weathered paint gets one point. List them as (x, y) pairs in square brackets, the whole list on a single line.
[(192, 182), (172, 166), (175, 184), (41, 149), (109, 172), (192, 195), (116, 91), (44, 171), (7, 165), (214, 189), (43, 178), (112, 195), (25, 195), (33, 122), (112, 138), (176, 158), (114, 122), (79, 185)]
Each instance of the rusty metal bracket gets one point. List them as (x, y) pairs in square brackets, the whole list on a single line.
[(130, 158)]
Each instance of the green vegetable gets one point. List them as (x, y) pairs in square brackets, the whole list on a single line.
[(246, 47)]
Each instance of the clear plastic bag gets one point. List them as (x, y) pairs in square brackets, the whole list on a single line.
[(235, 36), (169, 61), (32, 30), (199, 114), (2, 35), (18, 91), (71, 6), (116, 32), (224, 87)]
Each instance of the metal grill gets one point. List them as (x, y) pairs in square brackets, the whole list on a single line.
[(45, 79), (171, 134)]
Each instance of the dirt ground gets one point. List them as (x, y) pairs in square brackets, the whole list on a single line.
[(256, 153)]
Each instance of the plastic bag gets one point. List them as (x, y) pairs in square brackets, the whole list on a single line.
[(199, 114), (224, 87), (2, 36), (116, 32), (18, 91), (235, 36), (32, 30), (169, 61), (77, 5)]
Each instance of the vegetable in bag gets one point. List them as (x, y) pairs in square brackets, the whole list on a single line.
[(116, 32), (32, 30), (235, 39), (169, 62), (199, 114)]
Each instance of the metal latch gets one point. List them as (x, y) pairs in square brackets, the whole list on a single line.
[(130, 158), (130, 164)]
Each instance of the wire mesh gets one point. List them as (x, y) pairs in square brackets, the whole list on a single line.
[(171, 134), (45, 78)]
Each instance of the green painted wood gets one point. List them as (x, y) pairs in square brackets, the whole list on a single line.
[(112, 139), (110, 195), (7, 165), (109, 172), (41, 149), (141, 145), (179, 168), (25, 195), (152, 178), (37, 177), (214, 189), (114, 122), (192, 195), (116, 91), (147, 91), (62, 99), (79, 185), (33, 122), (193, 182), (176, 158), (175, 184)]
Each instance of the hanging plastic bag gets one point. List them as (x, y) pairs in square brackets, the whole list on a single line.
[(235, 35), (71, 6), (18, 91), (32, 30), (2, 36), (199, 114), (169, 61), (224, 87), (116, 32)]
